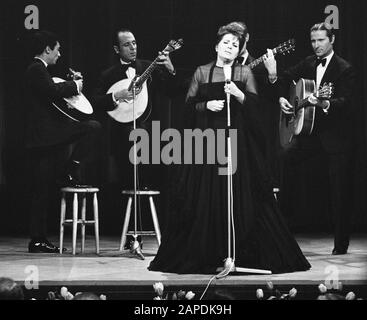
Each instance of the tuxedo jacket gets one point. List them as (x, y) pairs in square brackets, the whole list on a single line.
[(45, 125), (335, 128)]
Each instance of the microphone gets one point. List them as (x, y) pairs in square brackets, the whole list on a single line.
[(227, 76)]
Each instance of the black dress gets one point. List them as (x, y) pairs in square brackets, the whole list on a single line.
[(195, 240)]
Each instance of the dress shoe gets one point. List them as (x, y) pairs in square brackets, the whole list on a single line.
[(336, 251), (43, 246), (53, 246)]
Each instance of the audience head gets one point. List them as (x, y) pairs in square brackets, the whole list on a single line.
[(10, 290)]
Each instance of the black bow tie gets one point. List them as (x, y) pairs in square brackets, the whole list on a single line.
[(126, 66), (321, 61), (240, 60)]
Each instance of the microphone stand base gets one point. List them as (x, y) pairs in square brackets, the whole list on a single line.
[(136, 250), (229, 267)]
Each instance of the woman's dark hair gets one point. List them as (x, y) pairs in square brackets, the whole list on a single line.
[(240, 26), (228, 29), (41, 40)]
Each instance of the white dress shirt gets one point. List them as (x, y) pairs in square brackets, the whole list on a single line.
[(130, 72), (320, 70)]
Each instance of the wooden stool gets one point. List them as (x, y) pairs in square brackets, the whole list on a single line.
[(157, 231), (83, 191)]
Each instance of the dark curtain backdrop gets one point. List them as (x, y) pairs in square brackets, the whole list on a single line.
[(85, 29)]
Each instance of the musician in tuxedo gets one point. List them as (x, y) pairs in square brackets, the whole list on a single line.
[(50, 136), (126, 67), (332, 134)]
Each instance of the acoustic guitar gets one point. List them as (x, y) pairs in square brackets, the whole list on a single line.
[(127, 110), (76, 108), (301, 121)]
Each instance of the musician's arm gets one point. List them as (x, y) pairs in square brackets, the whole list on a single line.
[(192, 99), (342, 100), (285, 79), (40, 80), (251, 88), (100, 99)]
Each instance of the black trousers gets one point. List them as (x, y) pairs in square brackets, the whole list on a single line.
[(340, 194), (49, 162)]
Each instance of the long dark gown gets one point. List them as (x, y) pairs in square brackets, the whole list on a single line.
[(195, 240)]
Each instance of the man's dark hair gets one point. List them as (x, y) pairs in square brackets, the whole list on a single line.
[(230, 30), (10, 290), (240, 27), (325, 27), (43, 39), (116, 36)]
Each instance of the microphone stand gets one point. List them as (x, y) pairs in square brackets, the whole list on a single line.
[(135, 246), (229, 262)]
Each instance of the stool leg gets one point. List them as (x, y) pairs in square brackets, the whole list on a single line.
[(84, 209), (62, 220), (155, 220), (75, 221), (96, 221), (126, 223)]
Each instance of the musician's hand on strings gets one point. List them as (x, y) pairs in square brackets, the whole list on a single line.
[(271, 65), (125, 94), (215, 105), (312, 99), (285, 106), (164, 60), (75, 75)]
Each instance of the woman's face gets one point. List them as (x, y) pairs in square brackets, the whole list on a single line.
[(228, 48)]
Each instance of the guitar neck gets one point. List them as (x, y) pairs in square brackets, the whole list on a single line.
[(146, 74), (256, 62)]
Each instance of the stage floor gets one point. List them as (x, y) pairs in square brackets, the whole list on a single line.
[(113, 268)]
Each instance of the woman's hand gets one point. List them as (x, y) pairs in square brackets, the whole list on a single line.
[(233, 90), (215, 105)]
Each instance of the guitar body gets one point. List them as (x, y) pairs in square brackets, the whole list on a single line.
[(301, 122), (124, 112), (76, 108)]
